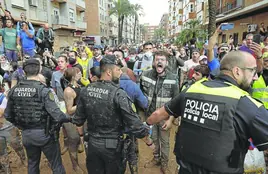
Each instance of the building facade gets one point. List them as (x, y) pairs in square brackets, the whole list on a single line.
[(164, 24), (247, 15), (149, 32), (66, 17)]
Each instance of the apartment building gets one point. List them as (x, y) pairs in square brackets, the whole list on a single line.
[(247, 15), (164, 24), (66, 17), (150, 29)]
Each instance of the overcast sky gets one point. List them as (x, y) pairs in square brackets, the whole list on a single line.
[(153, 9)]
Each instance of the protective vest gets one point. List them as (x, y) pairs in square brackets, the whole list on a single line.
[(207, 135), (29, 111), (260, 91), (166, 92), (84, 64), (103, 117)]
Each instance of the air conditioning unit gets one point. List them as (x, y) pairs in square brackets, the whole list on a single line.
[(33, 3)]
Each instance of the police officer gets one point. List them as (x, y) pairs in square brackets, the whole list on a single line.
[(218, 118), (31, 106), (108, 111)]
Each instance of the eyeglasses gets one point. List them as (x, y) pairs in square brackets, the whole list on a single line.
[(252, 70)]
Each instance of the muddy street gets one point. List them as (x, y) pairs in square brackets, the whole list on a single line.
[(145, 155)]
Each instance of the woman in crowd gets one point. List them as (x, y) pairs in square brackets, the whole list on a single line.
[(71, 94)]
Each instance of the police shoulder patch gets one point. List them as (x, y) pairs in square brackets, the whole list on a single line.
[(51, 96)]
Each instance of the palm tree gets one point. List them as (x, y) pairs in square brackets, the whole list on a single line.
[(159, 34), (122, 9), (137, 11), (212, 17), (193, 30)]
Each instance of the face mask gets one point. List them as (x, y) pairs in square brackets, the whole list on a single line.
[(222, 54), (148, 54), (84, 58), (125, 54), (72, 61)]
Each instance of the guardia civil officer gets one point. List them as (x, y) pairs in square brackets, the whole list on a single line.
[(218, 118), (31, 107), (107, 109)]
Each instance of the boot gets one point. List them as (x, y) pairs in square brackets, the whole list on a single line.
[(133, 169), (164, 168), (4, 162), (65, 146), (153, 163)]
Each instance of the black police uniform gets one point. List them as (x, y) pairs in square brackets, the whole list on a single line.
[(29, 107), (218, 118), (108, 111)]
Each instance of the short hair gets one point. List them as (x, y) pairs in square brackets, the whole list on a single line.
[(75, 53), (119, 50), (232, 59), (95, 71), (65, 57), (9, 20), (161, 53), (249, 35), (147, 43), (203, 69)]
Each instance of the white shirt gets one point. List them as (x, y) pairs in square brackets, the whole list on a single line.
[(188, 65)]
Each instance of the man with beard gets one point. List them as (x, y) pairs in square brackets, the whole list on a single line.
[(108, 111), (160, 86), (95, 61), (218, 118)]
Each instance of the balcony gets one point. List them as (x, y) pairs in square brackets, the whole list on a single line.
[(60, 20), (180, 11), (81, 24), (80, 5), (38, 15), (230, 6), (59, 1), (192, 15)]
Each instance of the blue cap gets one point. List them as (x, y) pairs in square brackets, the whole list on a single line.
[(97, 47)]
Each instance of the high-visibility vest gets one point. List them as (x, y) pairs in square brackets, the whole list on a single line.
[(260, 91)]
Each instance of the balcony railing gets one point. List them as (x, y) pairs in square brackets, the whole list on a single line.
[(230, 6), (60, 20), (81, 24)]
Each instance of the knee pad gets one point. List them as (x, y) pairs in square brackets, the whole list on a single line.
[(3, 146)]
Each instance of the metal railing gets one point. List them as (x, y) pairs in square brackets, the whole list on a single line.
[(60, 20), (229, 6), (81, 24)]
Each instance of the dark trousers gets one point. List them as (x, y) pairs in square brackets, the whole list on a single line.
[(102, 157), (35, 141)]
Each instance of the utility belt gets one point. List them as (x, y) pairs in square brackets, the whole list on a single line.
[(111, 141)]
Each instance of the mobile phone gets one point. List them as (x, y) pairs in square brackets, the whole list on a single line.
[(227, 26), (257, 38)]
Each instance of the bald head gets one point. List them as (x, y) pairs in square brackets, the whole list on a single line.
[(46, 26), (236, 58)]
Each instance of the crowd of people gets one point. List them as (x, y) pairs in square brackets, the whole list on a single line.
[(95, 97)]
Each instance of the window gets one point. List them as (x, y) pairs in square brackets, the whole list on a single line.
[(191, 8), (19, 3), (71, 15)]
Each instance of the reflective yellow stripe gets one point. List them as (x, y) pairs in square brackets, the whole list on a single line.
[(148, 80), (258, 104), (260, 91), (231, 91)]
